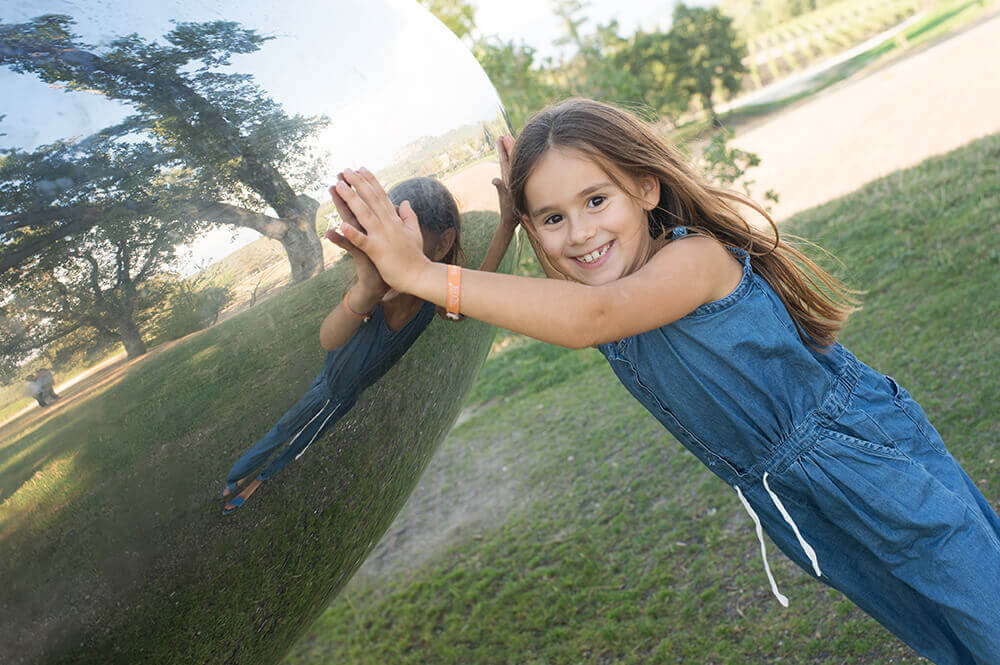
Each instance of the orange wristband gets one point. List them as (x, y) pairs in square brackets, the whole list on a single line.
[(347, 306), (454, 292)]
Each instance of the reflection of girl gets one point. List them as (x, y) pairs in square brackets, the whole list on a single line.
[(365, 334), (728, 337)]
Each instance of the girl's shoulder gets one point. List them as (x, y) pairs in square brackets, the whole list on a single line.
[(683, 233), (725, 267)]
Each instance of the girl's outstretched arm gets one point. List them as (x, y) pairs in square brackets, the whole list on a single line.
[(679, 278)]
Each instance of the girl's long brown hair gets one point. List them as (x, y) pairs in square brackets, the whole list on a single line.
[(818, 303)]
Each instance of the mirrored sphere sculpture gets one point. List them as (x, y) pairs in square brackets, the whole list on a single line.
[(163, 194)]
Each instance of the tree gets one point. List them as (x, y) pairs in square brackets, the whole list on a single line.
[(705, 53), (243, 151), (645, 62), (97, 279), (625, 70), (594, 70), (523, 87), (458, 16)]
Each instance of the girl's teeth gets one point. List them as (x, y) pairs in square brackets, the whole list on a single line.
[(596, 254)]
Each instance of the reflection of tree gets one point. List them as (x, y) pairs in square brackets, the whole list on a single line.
[(96, 267), (234, 142)]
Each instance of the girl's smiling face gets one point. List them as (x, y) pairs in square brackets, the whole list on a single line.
[(593, 231)]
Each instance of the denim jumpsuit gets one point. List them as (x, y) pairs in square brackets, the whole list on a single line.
[(347, 372), (834, 460)]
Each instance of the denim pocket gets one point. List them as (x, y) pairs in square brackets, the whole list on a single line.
[(871, 447), (902, 399)]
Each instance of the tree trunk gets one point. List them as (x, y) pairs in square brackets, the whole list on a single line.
[(130, 337), (706, 101), (302, 245)]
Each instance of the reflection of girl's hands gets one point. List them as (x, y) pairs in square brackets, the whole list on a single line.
[(390, 238), (504, 147), (369, 278)]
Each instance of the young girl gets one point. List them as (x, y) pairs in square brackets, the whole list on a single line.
[(366, 333), (727, 335)]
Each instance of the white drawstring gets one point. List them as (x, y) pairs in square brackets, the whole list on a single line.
[(763, 550), (303, 428), (810, 552), (806, 547), (317, 431)]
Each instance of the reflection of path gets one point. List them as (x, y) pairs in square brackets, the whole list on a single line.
[(269, 281), (63, 389), (473, 188), (861, 130), (78, 388)]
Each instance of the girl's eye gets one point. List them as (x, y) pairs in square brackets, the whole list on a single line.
[(595, 201), (553, 219)]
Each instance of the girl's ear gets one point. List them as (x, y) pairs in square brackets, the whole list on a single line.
[(444, 244), (650, 193)]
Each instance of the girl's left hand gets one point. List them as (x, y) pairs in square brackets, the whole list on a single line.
[(391, 239)]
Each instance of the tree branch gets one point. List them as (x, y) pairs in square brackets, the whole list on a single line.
[(80, 219), (225, 213)]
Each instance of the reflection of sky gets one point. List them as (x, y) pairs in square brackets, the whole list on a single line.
[(384, 71)]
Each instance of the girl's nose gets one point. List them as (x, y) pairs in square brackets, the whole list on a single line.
[(580, 231)]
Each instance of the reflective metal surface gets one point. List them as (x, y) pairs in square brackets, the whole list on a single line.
[(163, 182)]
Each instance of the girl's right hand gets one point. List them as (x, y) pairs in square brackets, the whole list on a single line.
[(369, 278), (505, 145)]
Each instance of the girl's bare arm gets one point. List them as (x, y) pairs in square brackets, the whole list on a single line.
[(679, 278)]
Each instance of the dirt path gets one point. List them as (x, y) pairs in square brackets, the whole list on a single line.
[(893, 118)]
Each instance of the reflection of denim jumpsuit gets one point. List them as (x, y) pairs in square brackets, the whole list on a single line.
[(837, 462), (347, 372)]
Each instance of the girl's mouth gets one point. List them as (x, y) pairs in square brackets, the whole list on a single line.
[(594, 258)]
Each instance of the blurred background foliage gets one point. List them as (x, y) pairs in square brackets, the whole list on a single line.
[(678, 75)]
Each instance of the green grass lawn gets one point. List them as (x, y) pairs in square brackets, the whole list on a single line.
[(561, 524)]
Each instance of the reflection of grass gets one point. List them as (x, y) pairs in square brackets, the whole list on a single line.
[(121, 485), (622, 547), (45, 483)]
